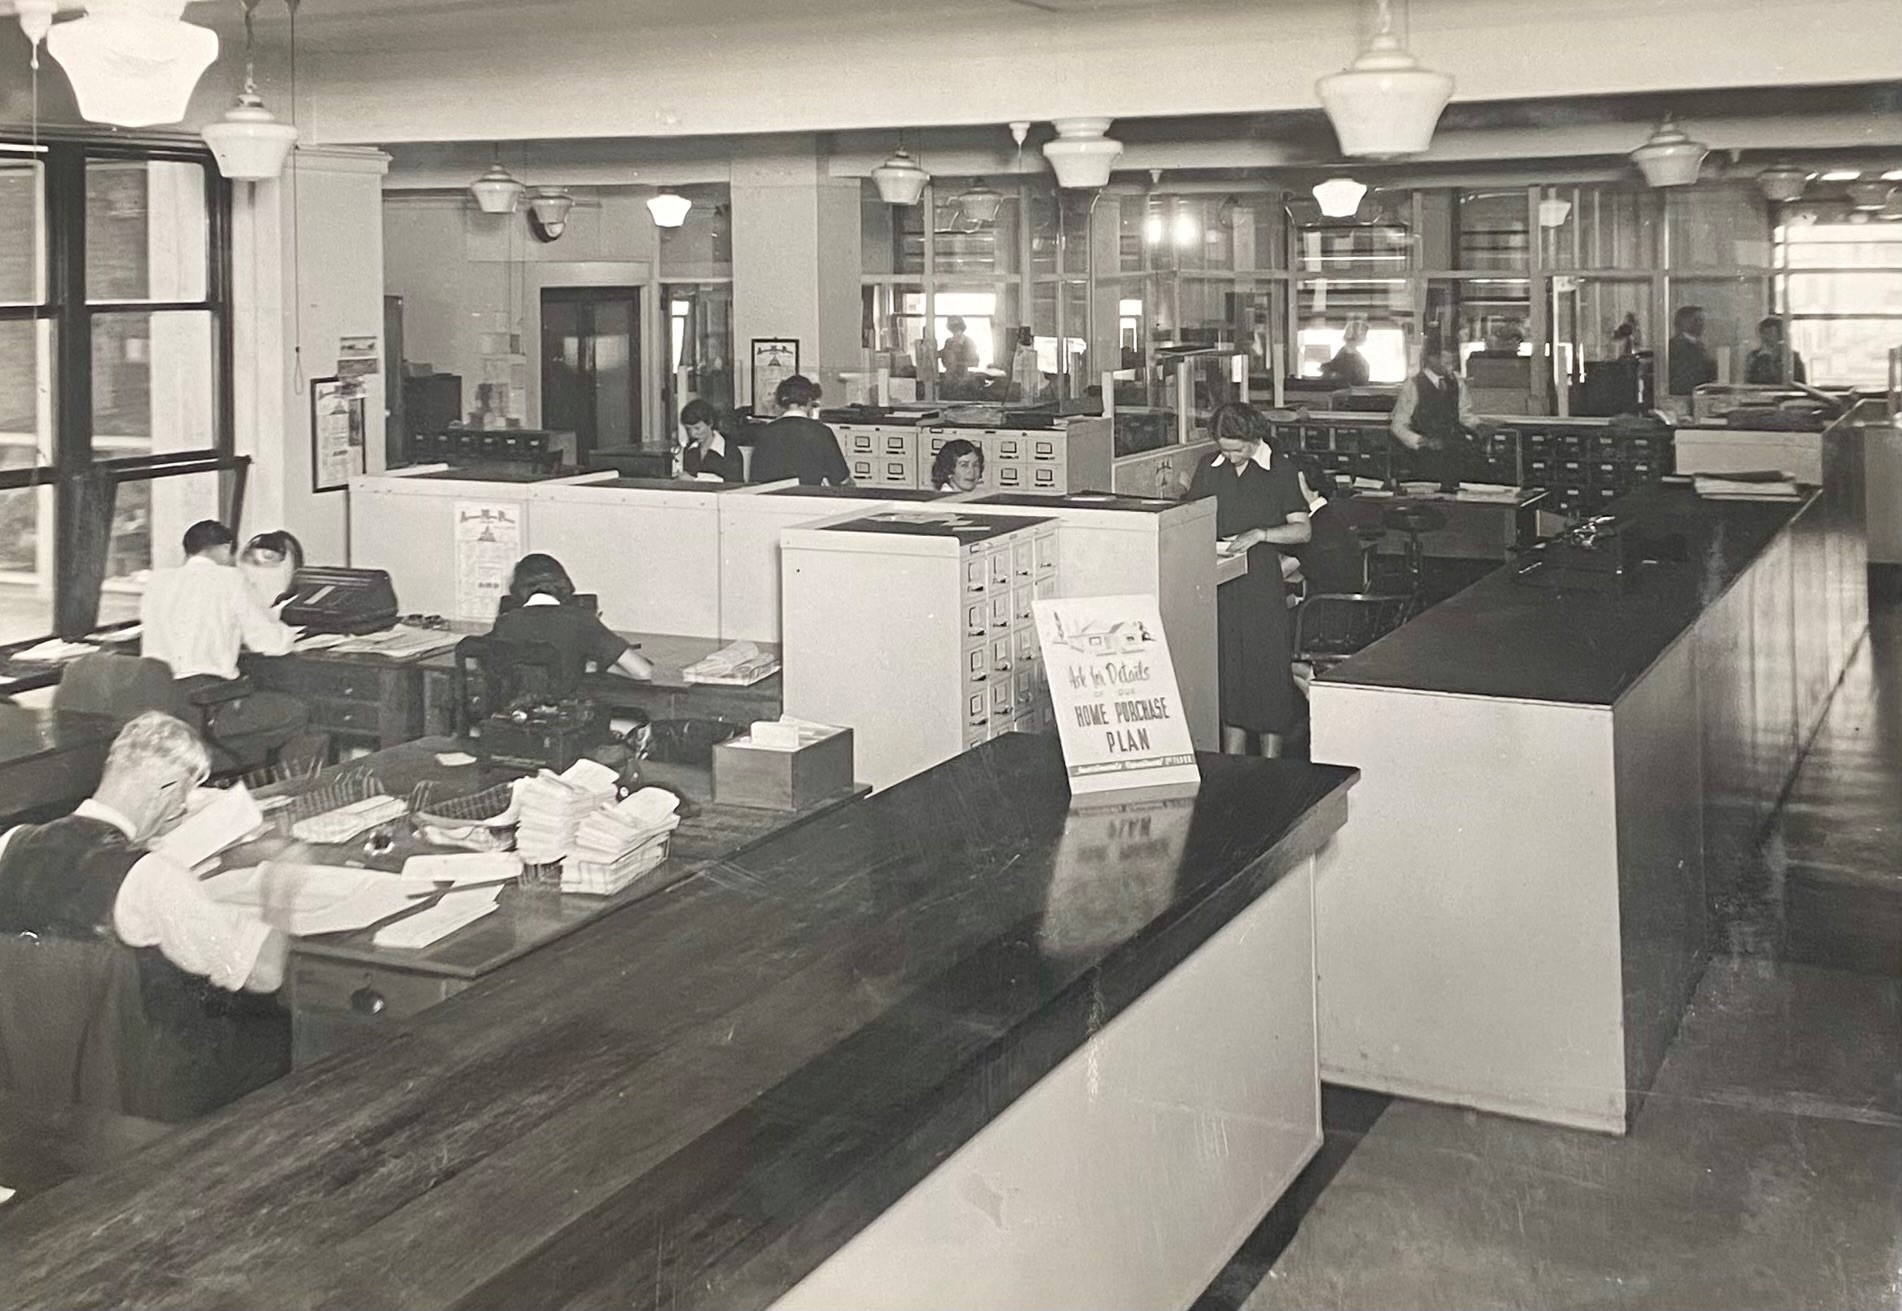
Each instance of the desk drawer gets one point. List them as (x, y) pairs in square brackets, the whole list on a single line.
[(354, 717), (332, 987)]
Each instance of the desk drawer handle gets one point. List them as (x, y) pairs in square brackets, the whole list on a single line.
[(368, 1001)]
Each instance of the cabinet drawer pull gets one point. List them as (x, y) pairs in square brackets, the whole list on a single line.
[(368, 1001)]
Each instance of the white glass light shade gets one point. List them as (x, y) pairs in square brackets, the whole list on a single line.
[(1868, 195), (1340, 197), (36, 17), (1842, 175), (669, 209), (133, 63), (249, 144), (497, 191), (1384, 105), (1783, 183), (551, 206), (1553, 212), (1081, 155), (899, 180), (979, 202), (1669, 158)]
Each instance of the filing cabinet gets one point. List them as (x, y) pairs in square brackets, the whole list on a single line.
[(917, 631), (879, 454), (1075, 457)]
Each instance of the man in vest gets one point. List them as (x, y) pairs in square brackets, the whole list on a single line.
[(1432, 421), (121, 980)]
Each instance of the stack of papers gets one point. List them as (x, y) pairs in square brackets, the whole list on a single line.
[(1492, 493), (216, 818), (1746, 487), (425, 873), (784, 734), (346, 822), (308, 899), (456, 910), (738, 664), (617, 844), (552, 806)]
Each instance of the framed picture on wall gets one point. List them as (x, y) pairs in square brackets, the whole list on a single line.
[(775, 359), (336, 433)]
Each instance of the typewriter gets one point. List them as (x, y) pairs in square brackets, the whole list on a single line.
[(1600, 554), (352, 601)]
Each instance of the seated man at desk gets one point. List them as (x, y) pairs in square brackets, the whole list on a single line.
[(116, 968), (197, 618), (1434, 421), (541, 608)]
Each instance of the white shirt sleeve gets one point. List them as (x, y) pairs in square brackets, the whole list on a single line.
[(161, 905), (263, 631), (1402, 421)]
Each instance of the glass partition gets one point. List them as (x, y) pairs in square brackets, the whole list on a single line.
[(1602, 343)]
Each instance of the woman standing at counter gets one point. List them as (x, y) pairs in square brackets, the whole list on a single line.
[(958, 466), (796, 444), (1258, 509)]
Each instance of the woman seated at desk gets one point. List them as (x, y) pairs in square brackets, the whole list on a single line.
[(707, 456), (1331, 560), (958, 466), (1259, 509), (541, 608)]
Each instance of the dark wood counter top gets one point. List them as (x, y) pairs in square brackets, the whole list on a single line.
[(1501, 638), (696, 1101)]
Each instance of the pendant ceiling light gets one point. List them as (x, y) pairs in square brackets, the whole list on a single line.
[(1669, 158), (133, 63), (249, 144), (899, 179), (497, 191), (1081, 155), (1783, 183), (1340, 197), (1553, 212), (36, 19), (549, 207), (669, 209), (980, 203), (1384, 105), (1868, 195)]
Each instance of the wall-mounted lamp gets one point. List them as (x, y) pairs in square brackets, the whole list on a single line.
[(548, 212)]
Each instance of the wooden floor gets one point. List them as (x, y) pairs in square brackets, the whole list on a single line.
[(1765, 1167)]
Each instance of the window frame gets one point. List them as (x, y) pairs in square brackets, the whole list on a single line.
[(64, 304)]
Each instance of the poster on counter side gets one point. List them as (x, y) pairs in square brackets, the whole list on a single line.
[(1113, 688), (488, 543)]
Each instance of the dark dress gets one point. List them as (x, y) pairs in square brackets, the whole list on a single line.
[(574, 631), (724, 465), (1255, 637), (793, 446), (1348, 367)]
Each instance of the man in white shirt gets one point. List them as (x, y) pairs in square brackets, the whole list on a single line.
[(197, 618), (118, 972)]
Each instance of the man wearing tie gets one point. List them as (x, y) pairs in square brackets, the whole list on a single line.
[(1432, 421)]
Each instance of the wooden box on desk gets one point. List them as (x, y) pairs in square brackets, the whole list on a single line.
[(746, 775)]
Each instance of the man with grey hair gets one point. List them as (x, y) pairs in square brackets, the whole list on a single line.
[(90, 874)]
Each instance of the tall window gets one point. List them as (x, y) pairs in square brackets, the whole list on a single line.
[(114, 344), (1843, 293)]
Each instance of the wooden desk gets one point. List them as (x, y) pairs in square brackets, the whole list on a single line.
[(342, 987), (43, 1146), (710, 1101), (50, 761), (357, 699)]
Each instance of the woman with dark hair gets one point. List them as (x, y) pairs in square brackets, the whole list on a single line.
[(1259, 510), (796, 444), (958, 466), (541, 607), (1330, 560), (707, 456), (268, 563)]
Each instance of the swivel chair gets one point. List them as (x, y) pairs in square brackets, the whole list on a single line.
[(1414, 521), (122, 687)]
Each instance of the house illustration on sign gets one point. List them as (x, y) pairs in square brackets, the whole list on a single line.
[(1106, 639)]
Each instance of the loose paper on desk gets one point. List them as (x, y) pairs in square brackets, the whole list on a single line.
[(1113, 686), (221, 822), (303, 900)]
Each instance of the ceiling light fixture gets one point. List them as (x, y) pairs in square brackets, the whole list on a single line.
[(1340, 197), (1868, 195), (1553, 212), (1783, 183), (1842, 175), (249, 144), (132, 63), (1893, 175), (1384, 105), (1186, 230), (36, 20), (1081, 155), (900, 181), (669, 209), (1670, 158), (497, 191), (980, 202), (548, 212)]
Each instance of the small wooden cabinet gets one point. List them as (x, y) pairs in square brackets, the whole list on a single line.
[(356, 701)]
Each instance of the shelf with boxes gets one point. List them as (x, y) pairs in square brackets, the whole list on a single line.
[(917, 632)]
